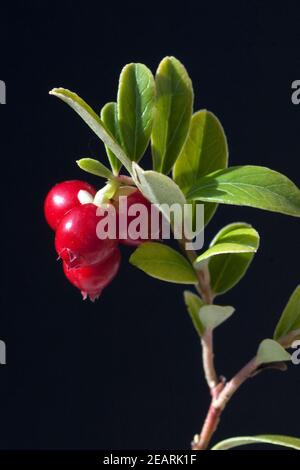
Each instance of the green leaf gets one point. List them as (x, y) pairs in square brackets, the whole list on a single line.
[(162, 262), (290, 319), (253, 186), (109, 116), (136, 101), (277, 440), (93, 121), (223, 248), (94, 167), (193, 304), (174, 107), (205, 150), (271, 351), (159, 189), (227, 269), (212, 316), (235, 239)]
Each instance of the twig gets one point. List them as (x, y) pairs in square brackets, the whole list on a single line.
[(221, 395), (208, 360), (231, 387)]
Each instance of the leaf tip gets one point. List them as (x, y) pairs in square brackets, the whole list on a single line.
[(54, 91)]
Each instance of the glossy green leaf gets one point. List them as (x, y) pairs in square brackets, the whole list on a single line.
[(94, 167), (109, 116), (253, 186), (162, 262), (93, 121), (174, 106), (136, 104), (212, 316), (271, 351), (290, 319), (226, 270), (234, 239), (205, 150), (193, 304), (277, 440)]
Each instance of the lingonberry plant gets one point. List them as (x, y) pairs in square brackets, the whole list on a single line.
[(190, 165)]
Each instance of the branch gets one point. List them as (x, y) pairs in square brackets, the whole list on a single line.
[(231, 387), (221, 395)]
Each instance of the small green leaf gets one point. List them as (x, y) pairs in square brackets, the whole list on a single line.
[(277, 440), (253, 186), (230, 254), (174, 107), (109, 116), (205, 150), (290, 319), (271, 351), (94, 167), (212, 316), (193, 304), (159, 189), (93, 121), (239, 239), (162, 262), (136, 100)]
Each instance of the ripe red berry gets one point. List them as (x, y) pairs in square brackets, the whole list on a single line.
[(62, 198), (136, 197), (91, 280), (76, 239)]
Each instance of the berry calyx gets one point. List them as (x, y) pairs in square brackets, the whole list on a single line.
[(91, 280), (62, 198), (145, 223), (76, 240)]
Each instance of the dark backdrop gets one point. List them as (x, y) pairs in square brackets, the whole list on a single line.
[(125, 372)]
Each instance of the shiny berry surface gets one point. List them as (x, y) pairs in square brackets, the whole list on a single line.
[(76, 240), (136, 197), (91, 280), (62, 198)]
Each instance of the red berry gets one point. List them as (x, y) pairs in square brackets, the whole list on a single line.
[(91, 280), (62, 198), (136, 197), (76, 239)]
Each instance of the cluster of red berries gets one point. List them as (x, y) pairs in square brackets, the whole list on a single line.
[(89, 263)]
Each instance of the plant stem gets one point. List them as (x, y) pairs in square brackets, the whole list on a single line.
[(124, 179), (231, 387), (203, 286), (209, 427), (221, 392), (208, 360), (220, 396)]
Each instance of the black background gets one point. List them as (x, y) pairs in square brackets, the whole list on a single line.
[(125, 372)]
